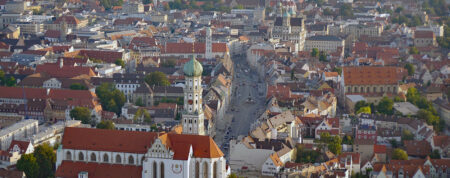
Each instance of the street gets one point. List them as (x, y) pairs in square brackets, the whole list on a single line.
[(246, 104)]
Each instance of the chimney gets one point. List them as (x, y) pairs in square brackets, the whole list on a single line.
[(61, 63)]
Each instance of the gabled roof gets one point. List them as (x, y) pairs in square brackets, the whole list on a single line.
[(198, 47), (372, 75), (68, 19), (139, 142), (23, 146)]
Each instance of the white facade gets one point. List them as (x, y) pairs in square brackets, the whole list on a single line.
[(193, 118), (52, 83), (22, 129), (208, 50)]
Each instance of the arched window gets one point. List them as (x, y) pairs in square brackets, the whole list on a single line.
[(68, 155), (162, 170), (215, 170), (362, 90), (368, 90), (197, 169), (93, 157), (205, 169), (105, 158), (130, 160), (155, 169), (374, 89), (349, 89), (118, 159), (80, 156)]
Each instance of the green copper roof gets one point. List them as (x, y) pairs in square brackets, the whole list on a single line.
[(193, 68)]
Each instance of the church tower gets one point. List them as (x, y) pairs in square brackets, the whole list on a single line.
[(193, 118), (208, 50)]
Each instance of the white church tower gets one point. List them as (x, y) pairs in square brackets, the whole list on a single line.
[(208, 50), (193, 119)]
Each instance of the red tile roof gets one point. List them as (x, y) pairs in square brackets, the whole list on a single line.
[(372, 75), (379, 149), (355, 156), (142, 42), (52, 34), (423, 34), (4, 45), (198, 47), (70, 169), (139, 142), (66, 71), (105, 56), (23, 146), (35, 52), (417, 148)]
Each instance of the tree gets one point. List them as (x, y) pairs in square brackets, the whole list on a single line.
[(413, 50), (157, 78), (169, 63), (45, 159), (315, 52), (435, 154), (386, 106), (365, 109), (111, 98), (346, 10), (334, 143), (347, 140), (328, 12), (139, 102), (399, 9), (146, 1), (11, 81), (399, 154), (323, 56), (109, 125), (407, 135), (360, 104), (232, 175), (120, 62), (77, 86), (338, 70), (81, 113), (142, 115), (410, 68), (28, 164)]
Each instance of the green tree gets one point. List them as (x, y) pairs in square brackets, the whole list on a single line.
[(81, 113), (347, 140), (28, 164), (360, 104), (399, 154), (45, 158), (157, 78), (139, 102), (435, 154), (399, 9), (334, 143), (169, 63), (142, 115), (323, 56), (305, 156), (365, 109), (411, 69), (346, 10), (386, 106), (239, 6), (338, 70), (407, 135), (413, 50), (109, 125), (111, 98), (77, 86), (120, 62), (315, 52)]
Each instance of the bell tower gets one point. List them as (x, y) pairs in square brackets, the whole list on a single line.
[(193, 118)]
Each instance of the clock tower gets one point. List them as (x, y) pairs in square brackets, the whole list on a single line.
[(193, 119)]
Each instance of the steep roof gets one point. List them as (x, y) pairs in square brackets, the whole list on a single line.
[(198, 47), (139, 142), (68, 19), (372, 75)]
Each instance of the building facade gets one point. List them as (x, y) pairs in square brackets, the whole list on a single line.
[(116, 153), (289, 27)]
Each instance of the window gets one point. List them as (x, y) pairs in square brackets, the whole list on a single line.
[(68, 155), (130, 160), (118, 159), (205, 169), (215, 170), (80, 156), (197, 169), (105, 158), (162, 170), (155, 169), (93, 157)]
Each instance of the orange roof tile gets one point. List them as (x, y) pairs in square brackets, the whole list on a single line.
[(198, 47), (70, 169), (371, 75)]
